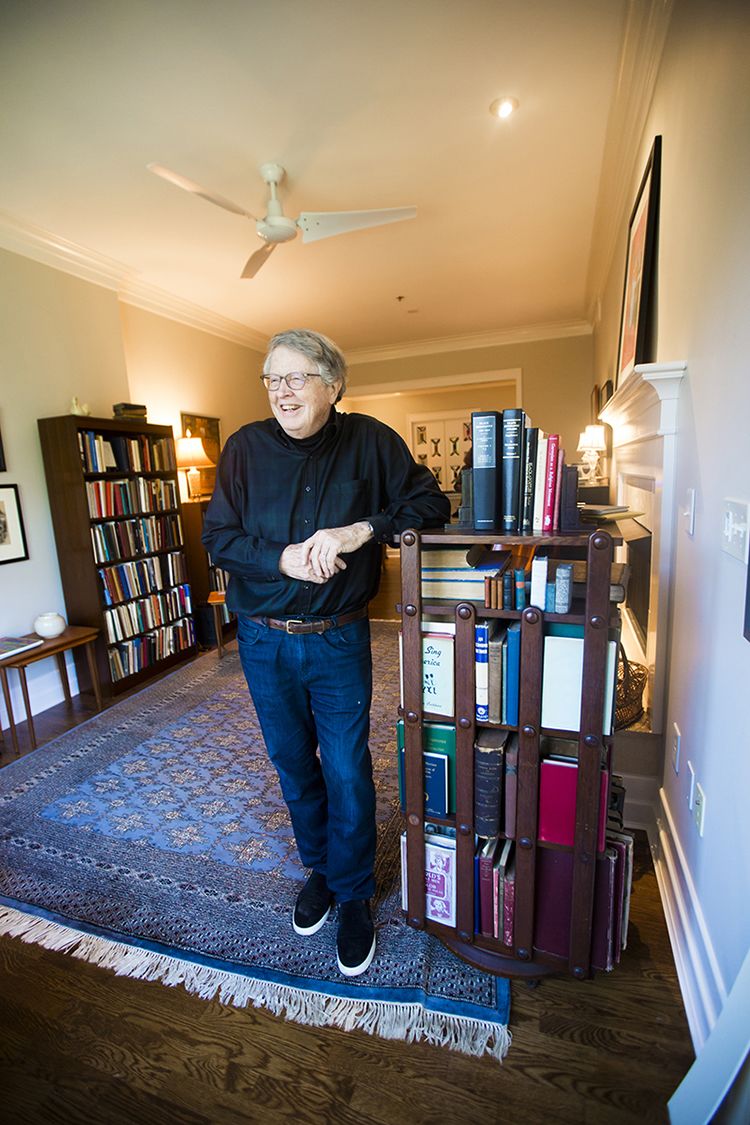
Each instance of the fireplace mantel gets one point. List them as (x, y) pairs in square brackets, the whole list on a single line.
[(643, 414)]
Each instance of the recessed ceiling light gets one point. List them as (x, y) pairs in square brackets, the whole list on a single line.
[(503, 107)]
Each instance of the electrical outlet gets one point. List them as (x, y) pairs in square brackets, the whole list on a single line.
[(676, 748), (699, 808), (691, 784)]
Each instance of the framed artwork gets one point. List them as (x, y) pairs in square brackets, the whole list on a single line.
[(208, 429), (595, 401), (746, 631), (2, 455), (637, 319), (605, 394), (12, 535)]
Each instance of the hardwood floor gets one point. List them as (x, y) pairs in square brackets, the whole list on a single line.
[(80, 1045)]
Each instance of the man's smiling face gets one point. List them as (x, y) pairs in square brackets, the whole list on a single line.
[(299, 413)]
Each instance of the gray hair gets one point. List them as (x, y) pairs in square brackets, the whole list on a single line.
[(318, 348)]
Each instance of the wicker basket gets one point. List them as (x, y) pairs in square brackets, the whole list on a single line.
[(631, 680)]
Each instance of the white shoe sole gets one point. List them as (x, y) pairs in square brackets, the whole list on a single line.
[(355, 970), (307, 931)]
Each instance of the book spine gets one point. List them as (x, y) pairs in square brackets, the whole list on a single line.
[(486, 468), (539, 479), (519, 581), (514, 672), (488, 764), (511, 788), (538, 594), (512, 431), (558, 489), (481, 659), (550, 478), (507, 590), (529, 476), (563, 587)]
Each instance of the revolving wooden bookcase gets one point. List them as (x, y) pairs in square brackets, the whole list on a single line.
[(599, 619)]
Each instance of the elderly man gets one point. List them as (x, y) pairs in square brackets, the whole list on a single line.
[(302, 504)]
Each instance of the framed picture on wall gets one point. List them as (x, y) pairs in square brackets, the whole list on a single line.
[(637, 318), (208, 430), (12, 535), (2, 455), (595, 400)]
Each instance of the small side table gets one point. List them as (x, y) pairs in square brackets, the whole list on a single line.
[(72, 637)]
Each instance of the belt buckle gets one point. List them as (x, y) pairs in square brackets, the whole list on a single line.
[(293, 621)]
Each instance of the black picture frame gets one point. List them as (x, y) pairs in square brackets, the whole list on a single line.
[(13, 546), (637, 317), (606, 393), (2, 455), (594, 403), (746, 630)]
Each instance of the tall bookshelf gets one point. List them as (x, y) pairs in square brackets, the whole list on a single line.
[(205, 576), (600, 621), (115, 507)]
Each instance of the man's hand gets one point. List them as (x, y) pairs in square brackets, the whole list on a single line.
[(318, 558)]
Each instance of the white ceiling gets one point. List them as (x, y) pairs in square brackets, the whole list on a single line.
[(366, 104)]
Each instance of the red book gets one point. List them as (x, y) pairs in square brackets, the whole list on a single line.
[(553, 884), (558, 782), (550, 480), (486, 861), (509, 902)]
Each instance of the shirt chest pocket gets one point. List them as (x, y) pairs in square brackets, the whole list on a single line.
[(345, 502)]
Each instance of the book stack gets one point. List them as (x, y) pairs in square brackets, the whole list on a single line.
[(497, 671), (519, 479), (132, 410), (496, 878)]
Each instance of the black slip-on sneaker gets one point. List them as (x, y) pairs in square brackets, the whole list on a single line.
[(355, 943), (313, 905)]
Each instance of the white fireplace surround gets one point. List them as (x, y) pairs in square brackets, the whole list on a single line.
[(643, 415)]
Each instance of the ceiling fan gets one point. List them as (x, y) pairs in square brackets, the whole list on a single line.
[(275, 226)]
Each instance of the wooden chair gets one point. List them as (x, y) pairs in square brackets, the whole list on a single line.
[(216, 600)]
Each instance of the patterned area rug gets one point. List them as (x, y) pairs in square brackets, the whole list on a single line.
[(153, 840)]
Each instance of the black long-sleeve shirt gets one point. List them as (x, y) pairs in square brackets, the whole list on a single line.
[(273, 490)]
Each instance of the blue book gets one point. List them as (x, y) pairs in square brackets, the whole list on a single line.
[(513, 676), (482, 670), (435, 782)]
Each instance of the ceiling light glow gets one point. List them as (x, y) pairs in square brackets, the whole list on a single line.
[(503, 107)]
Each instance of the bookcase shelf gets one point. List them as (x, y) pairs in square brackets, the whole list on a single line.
[(114, 499), (599, 620)]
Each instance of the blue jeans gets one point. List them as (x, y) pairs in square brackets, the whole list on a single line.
[(313, 690)]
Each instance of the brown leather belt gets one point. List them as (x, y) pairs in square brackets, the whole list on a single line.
[(297, 625)]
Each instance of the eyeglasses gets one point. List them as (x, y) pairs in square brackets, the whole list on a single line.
[(295, 380)]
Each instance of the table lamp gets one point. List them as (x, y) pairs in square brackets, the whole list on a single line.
[(591, 443), (192, 457)]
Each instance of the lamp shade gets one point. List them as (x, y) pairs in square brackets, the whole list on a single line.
[(191, 454), (592, 439)]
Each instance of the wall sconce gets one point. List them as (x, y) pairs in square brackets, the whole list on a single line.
[(591, 443), (191, 458)]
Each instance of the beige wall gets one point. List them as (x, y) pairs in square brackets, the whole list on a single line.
[(557, 376), (702, 109)]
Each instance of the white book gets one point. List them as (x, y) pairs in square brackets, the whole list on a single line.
[(438, 692), (538, 595), (562, 682)]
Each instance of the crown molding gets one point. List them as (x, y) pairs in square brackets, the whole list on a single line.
[(88, 265), (644, 36), (490, 339)]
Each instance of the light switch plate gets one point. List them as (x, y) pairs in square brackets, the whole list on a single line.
[(734, 529)]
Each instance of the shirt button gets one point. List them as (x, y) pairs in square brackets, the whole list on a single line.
[(307, 521), (307, 488)]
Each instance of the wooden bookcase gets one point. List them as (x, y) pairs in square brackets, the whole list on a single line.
[(205, 577), (599, 618), (115, 507)]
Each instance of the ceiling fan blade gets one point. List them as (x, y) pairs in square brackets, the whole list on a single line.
[(188, 185), (325, 224), (256, 260)]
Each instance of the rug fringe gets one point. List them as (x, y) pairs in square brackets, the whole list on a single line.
[(387, 1019)]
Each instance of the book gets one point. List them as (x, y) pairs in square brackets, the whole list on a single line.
[(486, 857), (558, 489), (511, 479), (552, 905), (498, 886), (614, 837), (438, 693), (482, 631), (14, 646), (550, 482), (435, 782), (563, 587), (439, 877), (511, 786), (562, 681), (529, 478), (509, 900), (495, 674), (539, 480), (558, 790), (486, 437), (512, 678), (538, 593), (489, 752), (438, 739)]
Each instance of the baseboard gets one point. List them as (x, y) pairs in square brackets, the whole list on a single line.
[(703, 990)]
